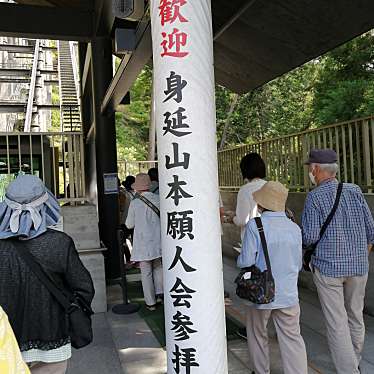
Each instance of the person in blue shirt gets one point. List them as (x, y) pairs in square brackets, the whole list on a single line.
[(284, 243), (341, 259)]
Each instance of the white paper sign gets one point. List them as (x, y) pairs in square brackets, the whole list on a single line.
[(110, 183)]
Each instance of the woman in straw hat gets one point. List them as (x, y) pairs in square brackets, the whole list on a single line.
[(284, 243), (144, 217), (38, 320)]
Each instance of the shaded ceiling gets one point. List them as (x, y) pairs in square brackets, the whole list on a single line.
[(258, 40), (82, 4), (272, 37)]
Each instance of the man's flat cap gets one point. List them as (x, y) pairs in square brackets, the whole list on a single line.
[(322, 156)]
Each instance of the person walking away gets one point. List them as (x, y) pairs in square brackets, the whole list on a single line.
[(153, 174), (10, 356), (128, 233), (253, 170), (284, 244), (129, 194), (340, 263), (121, 202), (38, 320), (144, 217)]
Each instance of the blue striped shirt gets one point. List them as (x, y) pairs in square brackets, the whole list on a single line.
[(343, 249)]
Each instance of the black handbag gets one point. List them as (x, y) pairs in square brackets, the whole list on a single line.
[(77, 310), (309, 251), (259, 286)]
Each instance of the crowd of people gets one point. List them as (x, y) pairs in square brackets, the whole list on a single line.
[(336, 223), (139, 204), (339, 262)]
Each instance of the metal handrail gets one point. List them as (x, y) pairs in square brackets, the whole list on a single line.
[(30, 101), (57, 158)]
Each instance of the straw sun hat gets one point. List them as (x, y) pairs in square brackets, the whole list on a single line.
[(142, 182), (272, 196)]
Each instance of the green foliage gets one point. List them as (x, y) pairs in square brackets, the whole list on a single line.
[(56, 123), (4, 182), (336, 87), (133, 122), (345, 85), (129, 145), (280, 107), (55, 95)]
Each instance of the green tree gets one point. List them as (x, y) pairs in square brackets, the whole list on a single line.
[(345, 85), (280, 107), (338, 86), (132, 121)]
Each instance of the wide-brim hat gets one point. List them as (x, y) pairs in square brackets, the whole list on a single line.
[(28, 209), (322, 156), (142, 182), (272, 196)]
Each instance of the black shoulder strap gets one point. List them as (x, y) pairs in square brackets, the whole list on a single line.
[(332, 213), (263, 242), (43, 277), (149, 203), (131, 193)]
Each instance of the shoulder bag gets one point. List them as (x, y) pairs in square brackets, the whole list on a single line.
[(253, 284), (310, 251), (76, 308)]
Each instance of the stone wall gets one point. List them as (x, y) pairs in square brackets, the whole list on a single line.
[(231, 236), (81, 223)]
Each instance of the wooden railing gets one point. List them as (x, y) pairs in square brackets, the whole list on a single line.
[(126, 168), (57, 158), (284, 156)]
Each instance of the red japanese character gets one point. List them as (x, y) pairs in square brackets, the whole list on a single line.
[(170, 11), (173, 42)]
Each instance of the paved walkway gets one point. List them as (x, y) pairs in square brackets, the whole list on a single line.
[(126, 345), (312, 326)]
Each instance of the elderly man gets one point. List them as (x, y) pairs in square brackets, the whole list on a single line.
[(340, 263)]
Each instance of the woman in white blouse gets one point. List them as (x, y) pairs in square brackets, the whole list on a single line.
[(143, 216), (253, 170)]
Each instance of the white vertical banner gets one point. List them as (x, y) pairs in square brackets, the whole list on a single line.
[(187, 152)]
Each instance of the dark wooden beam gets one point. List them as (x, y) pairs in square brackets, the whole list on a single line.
[(273, 37), (129, 69), (86, 68), (40, 22), (14, 80), (14, 48)]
